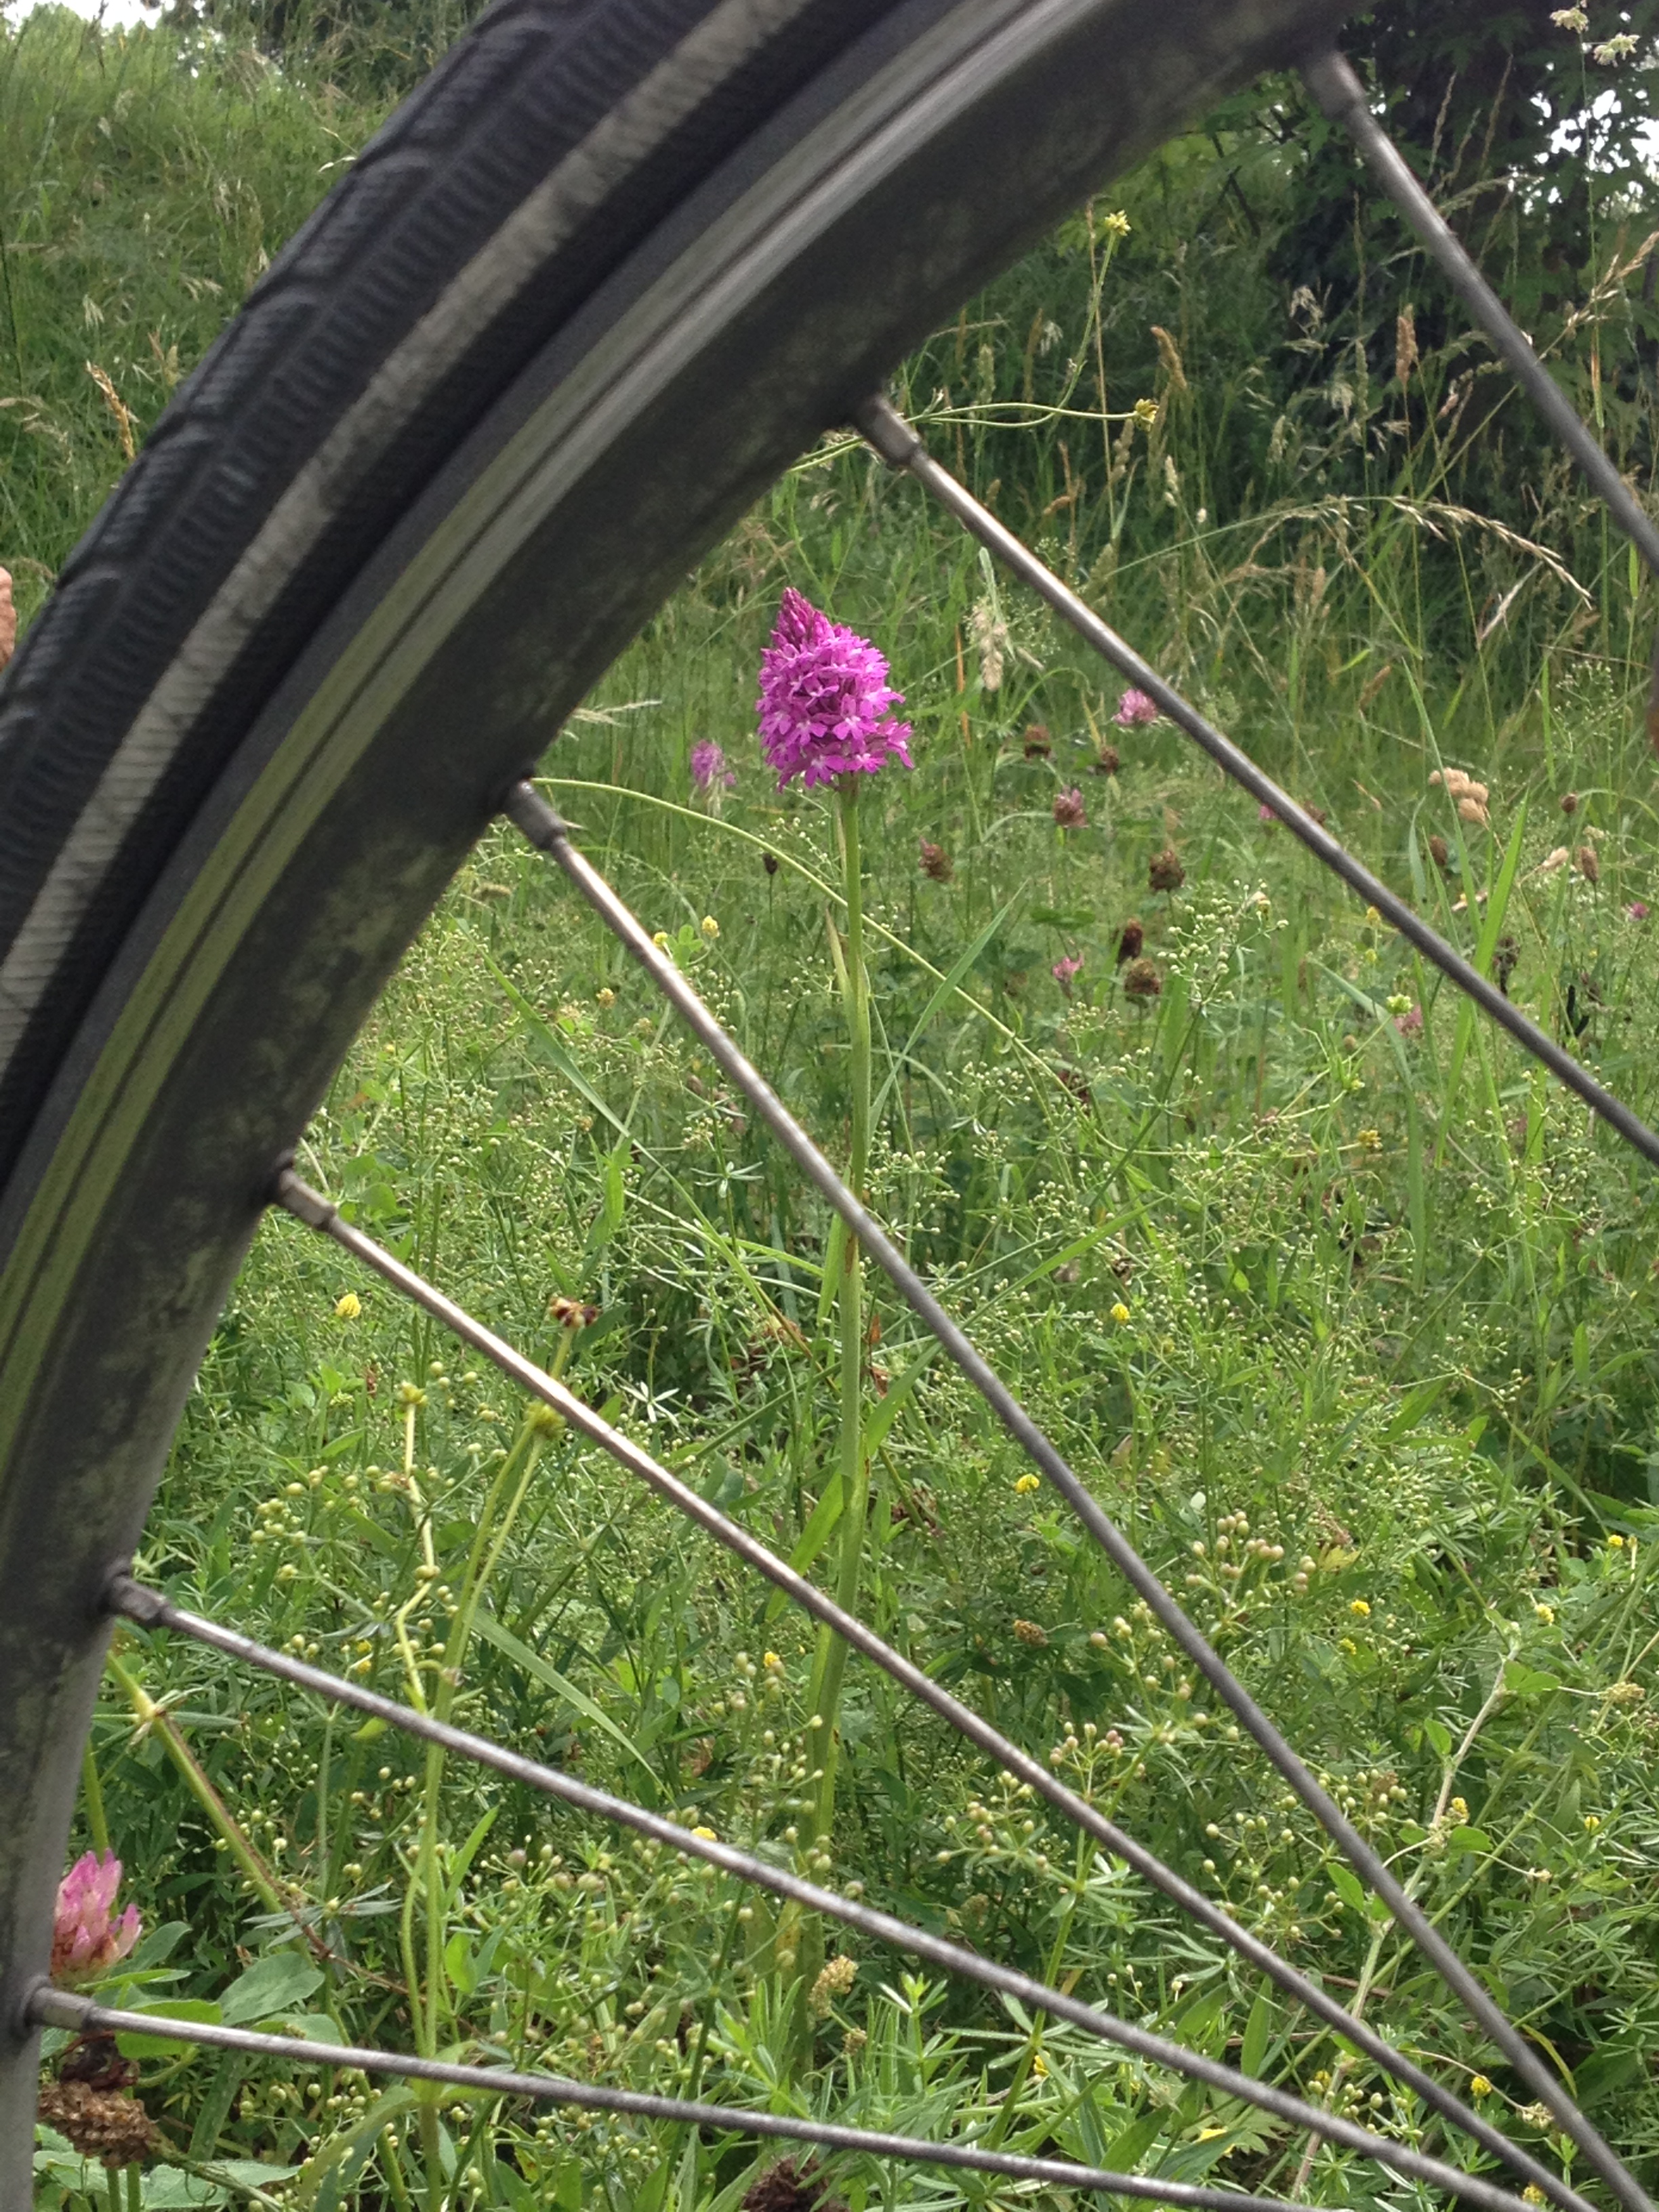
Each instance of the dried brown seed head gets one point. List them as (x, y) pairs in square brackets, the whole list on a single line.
[(1166, 872)]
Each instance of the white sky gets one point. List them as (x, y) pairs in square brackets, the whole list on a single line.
[(112, 11)]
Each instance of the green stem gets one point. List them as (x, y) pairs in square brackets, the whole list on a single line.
[(829, 1663), (92, 1793), (261, 1878), (428, 2005)]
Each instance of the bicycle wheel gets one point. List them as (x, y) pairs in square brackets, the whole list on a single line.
[(604, 275)]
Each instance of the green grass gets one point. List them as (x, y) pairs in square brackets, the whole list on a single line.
[(1349, 1328)]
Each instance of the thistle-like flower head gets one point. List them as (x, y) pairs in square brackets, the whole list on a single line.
[(1135, 706), (825, 702), (87, 1937)]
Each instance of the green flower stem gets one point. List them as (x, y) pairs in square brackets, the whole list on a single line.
[(92, 1797), (156, 1718), (428, 2004), (829, 1660)]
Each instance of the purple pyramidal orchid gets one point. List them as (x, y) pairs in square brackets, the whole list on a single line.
[(825, 702), (708, 766), (87, 1936)]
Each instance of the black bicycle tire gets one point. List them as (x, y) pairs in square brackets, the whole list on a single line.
[(307, 799)]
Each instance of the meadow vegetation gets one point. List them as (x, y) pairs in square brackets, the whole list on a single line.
[(1344, 1313)]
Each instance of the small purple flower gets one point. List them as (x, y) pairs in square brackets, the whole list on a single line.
[(86, 1941), (1265, 814), (1410, 1023), (1135, 707), (1069, 811), (708, 765), (824, 700), (1637, 910), (1063, 970)]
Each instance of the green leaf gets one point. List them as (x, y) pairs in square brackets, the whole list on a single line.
[(1132, 2145), (821, 1523), (551, 1048), (166, 2190), (487, 1625), (1258, 2029), (157, 1946), (458, 1867), (946, 989), (277, 1983), (460, 1965), (820, 1526), (202, 2010), (648, 2198), (1467, 1839), (1491, 929), (1521, 1681), (1347, 1885), (215, 2108)]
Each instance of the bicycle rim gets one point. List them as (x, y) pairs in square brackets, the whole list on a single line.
[(847, 223)]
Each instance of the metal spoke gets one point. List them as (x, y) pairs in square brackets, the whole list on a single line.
[(544, 830), (1336, 87), (51, 2007), (149, 1609), (318, 1213)]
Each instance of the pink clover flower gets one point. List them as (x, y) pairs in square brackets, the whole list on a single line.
[(88, 1939)]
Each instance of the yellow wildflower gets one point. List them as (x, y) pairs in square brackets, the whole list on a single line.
[(1360, 1608), (349, 1307), (1479, 2085), (711, 928), (1120, 1312), (1027, 1484)]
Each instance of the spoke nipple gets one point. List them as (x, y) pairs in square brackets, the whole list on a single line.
[(122, 1596), (529, 812), (44, 2005), (1330, 78), (299, 1199), (881, 424)]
